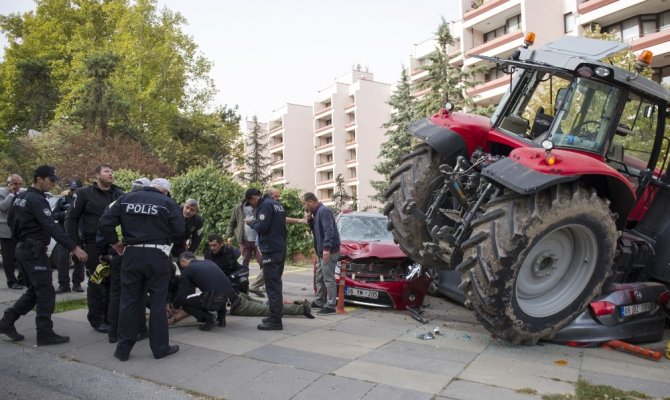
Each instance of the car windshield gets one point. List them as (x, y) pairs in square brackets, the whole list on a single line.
[(366, 228)]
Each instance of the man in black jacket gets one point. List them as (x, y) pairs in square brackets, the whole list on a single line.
[(33, 226), (150, 221), (270, 223), (60, 210), (89, 205), (194, 229), (225, 257), (210, 279)]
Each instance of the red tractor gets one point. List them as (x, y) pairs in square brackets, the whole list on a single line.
[(562, 191)]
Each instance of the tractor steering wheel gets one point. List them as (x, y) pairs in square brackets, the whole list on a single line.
[(584, 133)]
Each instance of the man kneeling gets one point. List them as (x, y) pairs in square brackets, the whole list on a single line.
[(216, 291)]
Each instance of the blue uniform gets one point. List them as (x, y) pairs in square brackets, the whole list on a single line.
[(149, 221), (33, 226), (270, 223)]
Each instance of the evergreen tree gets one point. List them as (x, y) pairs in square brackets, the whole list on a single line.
[(445, 81), (341, 198), (257, 162), (399, 142)]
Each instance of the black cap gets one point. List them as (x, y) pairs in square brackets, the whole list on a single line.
[(75, 184), (251, 192), (45, 171)]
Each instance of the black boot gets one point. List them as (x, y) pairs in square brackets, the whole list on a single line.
[(8, 329), (52, 338)]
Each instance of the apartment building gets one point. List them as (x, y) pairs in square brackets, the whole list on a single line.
[(347, 123), (290, 146), (496, 28)]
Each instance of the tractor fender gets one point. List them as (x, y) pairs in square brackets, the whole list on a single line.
[(444, 141), (526, 172), (661, 267)]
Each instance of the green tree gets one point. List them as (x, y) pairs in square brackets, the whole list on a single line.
[(97, 101), (125, 65), (218, 195), (257, 162), (445, 81), (399, 141), (341, 198), (298, 236)]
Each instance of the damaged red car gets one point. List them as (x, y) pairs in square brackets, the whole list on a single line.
[(378, 273)]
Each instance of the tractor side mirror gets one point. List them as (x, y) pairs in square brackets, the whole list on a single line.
[(648, 111)]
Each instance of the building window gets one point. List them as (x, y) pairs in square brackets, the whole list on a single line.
[(493, 73), (512, 24), (640, 25), (661, 75), (569, 22)]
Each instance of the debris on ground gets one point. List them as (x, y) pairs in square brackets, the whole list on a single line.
[(426, 336)]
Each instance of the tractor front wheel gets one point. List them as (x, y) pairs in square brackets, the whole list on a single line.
[(534, 268)]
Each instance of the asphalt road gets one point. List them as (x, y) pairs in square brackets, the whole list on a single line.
[(29, 374)]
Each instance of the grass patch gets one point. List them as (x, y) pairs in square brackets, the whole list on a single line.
[(587, 391), (526, 391), (69, 305)]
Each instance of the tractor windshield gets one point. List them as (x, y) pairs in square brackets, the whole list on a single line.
[(586, 110)]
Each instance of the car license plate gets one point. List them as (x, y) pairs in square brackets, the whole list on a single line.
[(369, 294), (627, 311)]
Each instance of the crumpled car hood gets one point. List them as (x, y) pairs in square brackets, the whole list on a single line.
[(359, 250)]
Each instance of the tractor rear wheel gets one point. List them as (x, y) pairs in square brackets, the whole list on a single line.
[(534, 268), (411, 184)]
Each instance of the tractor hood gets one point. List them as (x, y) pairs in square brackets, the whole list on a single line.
[(361, 250)]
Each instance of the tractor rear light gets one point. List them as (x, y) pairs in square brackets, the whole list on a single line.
[(603, 72), (664, 298), (550, 158), (585, 72), (600, 308)]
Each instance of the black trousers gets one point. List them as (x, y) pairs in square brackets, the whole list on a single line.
[(40, 293), (193, 307), (115, 298), (273, 268), (63, 260), (143, 270), (7, 249), (97, 295)]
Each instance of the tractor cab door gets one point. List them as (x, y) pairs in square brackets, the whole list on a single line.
[(639, 148), (632, 146)]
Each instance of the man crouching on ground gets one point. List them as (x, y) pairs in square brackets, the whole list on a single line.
[(215, 287)]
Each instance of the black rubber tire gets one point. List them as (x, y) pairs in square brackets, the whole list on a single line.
[(410, 183), (434, 286), (498, 247)]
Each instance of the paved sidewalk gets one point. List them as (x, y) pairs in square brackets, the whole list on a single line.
[(365, 354)]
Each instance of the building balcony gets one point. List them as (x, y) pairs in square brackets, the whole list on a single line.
[(496, 43), (323, 130), (279, 180), (275, 130), (648, 41), (485, 7), (419, 75), (323, 146), (351, 161), (350, 143), (276, 146), (590, 5), (278, 162), (323, 111), (350, 126), (350, 106), (324, 166), (327, 184), (421, 92), (351, 182), (486, 86)]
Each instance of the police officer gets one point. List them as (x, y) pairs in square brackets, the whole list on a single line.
[(270, 223), (150, 221), (60, 210), (209, 278), (32, 226), (89, 205)]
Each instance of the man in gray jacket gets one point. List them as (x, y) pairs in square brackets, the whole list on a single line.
[(8, 245)]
